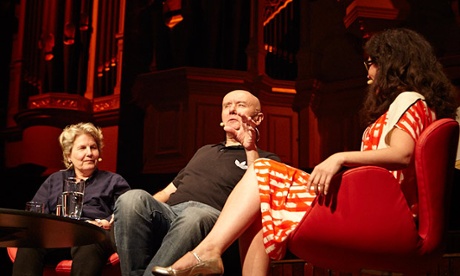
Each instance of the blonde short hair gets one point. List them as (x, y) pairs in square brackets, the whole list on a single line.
[(71, 132)]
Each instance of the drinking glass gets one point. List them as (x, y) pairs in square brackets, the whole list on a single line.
[(72, 197), (59, 206), (34, 206)]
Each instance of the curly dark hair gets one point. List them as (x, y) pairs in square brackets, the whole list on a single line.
[(406, 62)]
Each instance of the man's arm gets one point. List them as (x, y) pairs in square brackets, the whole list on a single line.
[(164, 194), (251, 155)]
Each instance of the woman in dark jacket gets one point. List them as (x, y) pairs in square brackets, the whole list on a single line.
[(81, 149)]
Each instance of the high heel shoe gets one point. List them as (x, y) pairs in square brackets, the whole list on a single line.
[(210, 267)]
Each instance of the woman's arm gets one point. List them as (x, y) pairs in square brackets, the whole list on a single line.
[(396, 156)]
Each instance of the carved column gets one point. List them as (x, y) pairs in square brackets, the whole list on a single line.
[(255, 50), (306, 86), (16, 67)]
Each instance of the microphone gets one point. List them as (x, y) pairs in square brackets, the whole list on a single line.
[(370, 81), (222, 124)]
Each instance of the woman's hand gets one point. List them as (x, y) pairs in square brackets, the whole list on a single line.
[(103, 223), (321, 176)]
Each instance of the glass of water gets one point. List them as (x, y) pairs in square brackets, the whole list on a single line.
[(34, 206), (72, 197), (59, 206)]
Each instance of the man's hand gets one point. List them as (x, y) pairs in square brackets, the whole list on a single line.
[(247, 135)]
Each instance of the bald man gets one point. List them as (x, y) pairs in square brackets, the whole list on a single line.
[(157, 230)]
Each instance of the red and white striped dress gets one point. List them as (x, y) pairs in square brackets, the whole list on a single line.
[(283, 194)]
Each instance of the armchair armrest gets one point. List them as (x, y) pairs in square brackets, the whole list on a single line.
[(363, 217)]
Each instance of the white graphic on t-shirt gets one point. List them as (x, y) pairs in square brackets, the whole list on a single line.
[(242, 165)]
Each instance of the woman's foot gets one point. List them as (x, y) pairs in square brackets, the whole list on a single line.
[(192, 264)]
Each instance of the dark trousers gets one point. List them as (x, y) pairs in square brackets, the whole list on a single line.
[(86, 260)]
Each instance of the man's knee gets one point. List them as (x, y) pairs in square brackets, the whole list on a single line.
[(132, 199), (196, 216)]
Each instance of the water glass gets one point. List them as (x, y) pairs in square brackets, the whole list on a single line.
[(34, 206), (59, 206), (72, 197)]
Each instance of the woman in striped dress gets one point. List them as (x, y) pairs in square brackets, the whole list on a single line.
[(407, 91)]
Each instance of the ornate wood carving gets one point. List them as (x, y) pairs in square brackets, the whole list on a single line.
[(60, 100)]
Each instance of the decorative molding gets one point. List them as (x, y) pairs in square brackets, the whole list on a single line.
[(107, 103), (62, 108), (364, 17), (60, 101), (283, 90), (382, 9)]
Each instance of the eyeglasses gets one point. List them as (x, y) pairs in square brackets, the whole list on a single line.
[(368, 63)]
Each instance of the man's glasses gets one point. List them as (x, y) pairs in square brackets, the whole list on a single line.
[(368, 63)]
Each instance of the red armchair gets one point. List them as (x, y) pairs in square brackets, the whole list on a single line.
[(366, 223), (64, 266)]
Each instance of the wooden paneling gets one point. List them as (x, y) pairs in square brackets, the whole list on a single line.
[(204, 122), (183, 112), (281, 132), (164, 143)]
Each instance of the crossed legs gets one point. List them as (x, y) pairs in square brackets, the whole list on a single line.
[(240, 217)]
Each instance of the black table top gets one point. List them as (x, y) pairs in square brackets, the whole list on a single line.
[(20, 228)]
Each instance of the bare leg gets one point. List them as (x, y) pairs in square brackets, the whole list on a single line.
[(255, 260), (240, 211)]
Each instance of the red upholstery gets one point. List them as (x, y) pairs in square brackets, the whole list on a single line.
[(365, 221), (63, 267)]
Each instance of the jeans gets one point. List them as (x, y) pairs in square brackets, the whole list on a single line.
[(149, 232)]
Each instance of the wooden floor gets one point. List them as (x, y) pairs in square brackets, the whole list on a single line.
[(449, 265)]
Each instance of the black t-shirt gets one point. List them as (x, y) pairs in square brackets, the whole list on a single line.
[(211, 175)]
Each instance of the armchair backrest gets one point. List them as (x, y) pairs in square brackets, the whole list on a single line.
[(435, 153)]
